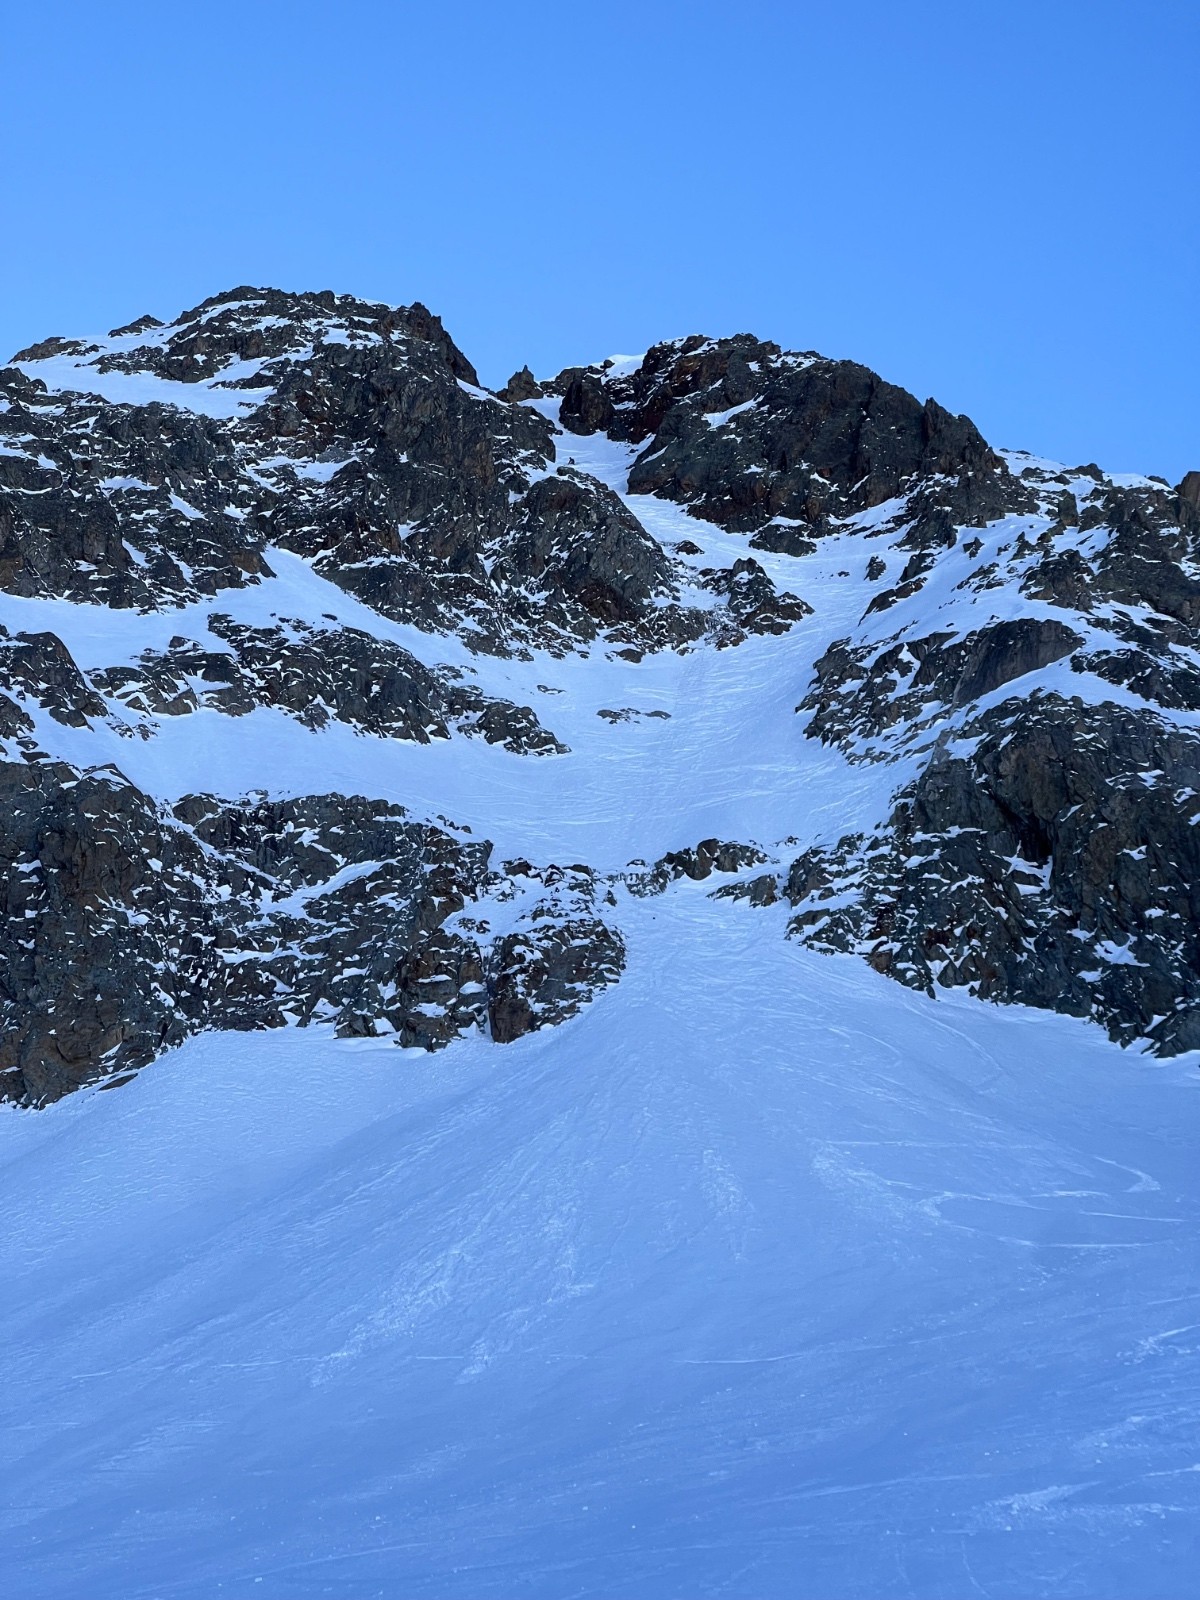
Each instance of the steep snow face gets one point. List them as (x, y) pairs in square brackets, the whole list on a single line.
[(764, 1276)]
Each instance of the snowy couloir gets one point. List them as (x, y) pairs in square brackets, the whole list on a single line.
[(338, 688), (690, 746)]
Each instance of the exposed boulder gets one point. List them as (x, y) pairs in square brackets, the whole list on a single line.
[(521, 386)]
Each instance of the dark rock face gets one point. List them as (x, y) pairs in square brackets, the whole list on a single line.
[(560, 953), (781, 445), (1170, 682), (1042, 853), (755, 605), (858, 694), (219, 331), (108, 933), (586, 405), (1146, 560), (578, 541), (124, 928), (121, 505), (1042, 867)]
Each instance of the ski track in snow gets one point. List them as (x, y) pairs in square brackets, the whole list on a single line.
[(765, 1277)]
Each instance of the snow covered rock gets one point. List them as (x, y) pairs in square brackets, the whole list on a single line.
[(124, 928), (158, 464), (282, 588), (753, 438), (1043, 859)]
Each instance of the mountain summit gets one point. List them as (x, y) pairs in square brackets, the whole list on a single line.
[(272, 574)]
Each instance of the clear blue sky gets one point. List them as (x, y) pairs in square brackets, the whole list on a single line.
[(996, 203)]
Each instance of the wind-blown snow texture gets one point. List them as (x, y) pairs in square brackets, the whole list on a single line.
[(612, 720)]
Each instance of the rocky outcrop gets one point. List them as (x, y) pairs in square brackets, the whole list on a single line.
[(696, 862), (754, 603), (1144, 558), (320, 675), (40, 668), (352, 434), (124, 927), (558, 947), (860, 691), (1045, 865), (577, 541), (782, 445), (111, 945), (128, 506), (521, 386)]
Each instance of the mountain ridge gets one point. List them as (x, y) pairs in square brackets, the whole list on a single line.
[(995, 651)]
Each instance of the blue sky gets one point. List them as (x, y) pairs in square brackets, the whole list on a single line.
[(993, 203)]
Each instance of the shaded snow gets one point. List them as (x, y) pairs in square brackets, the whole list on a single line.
[(764, 1277), (210, 397)]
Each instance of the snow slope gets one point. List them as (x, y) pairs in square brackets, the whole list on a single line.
[(730, 758), (764, 1277)]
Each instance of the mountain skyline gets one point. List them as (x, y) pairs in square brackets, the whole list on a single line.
[(988, 206), (598, 982)]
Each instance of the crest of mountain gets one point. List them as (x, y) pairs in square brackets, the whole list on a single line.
[(279, 577)]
